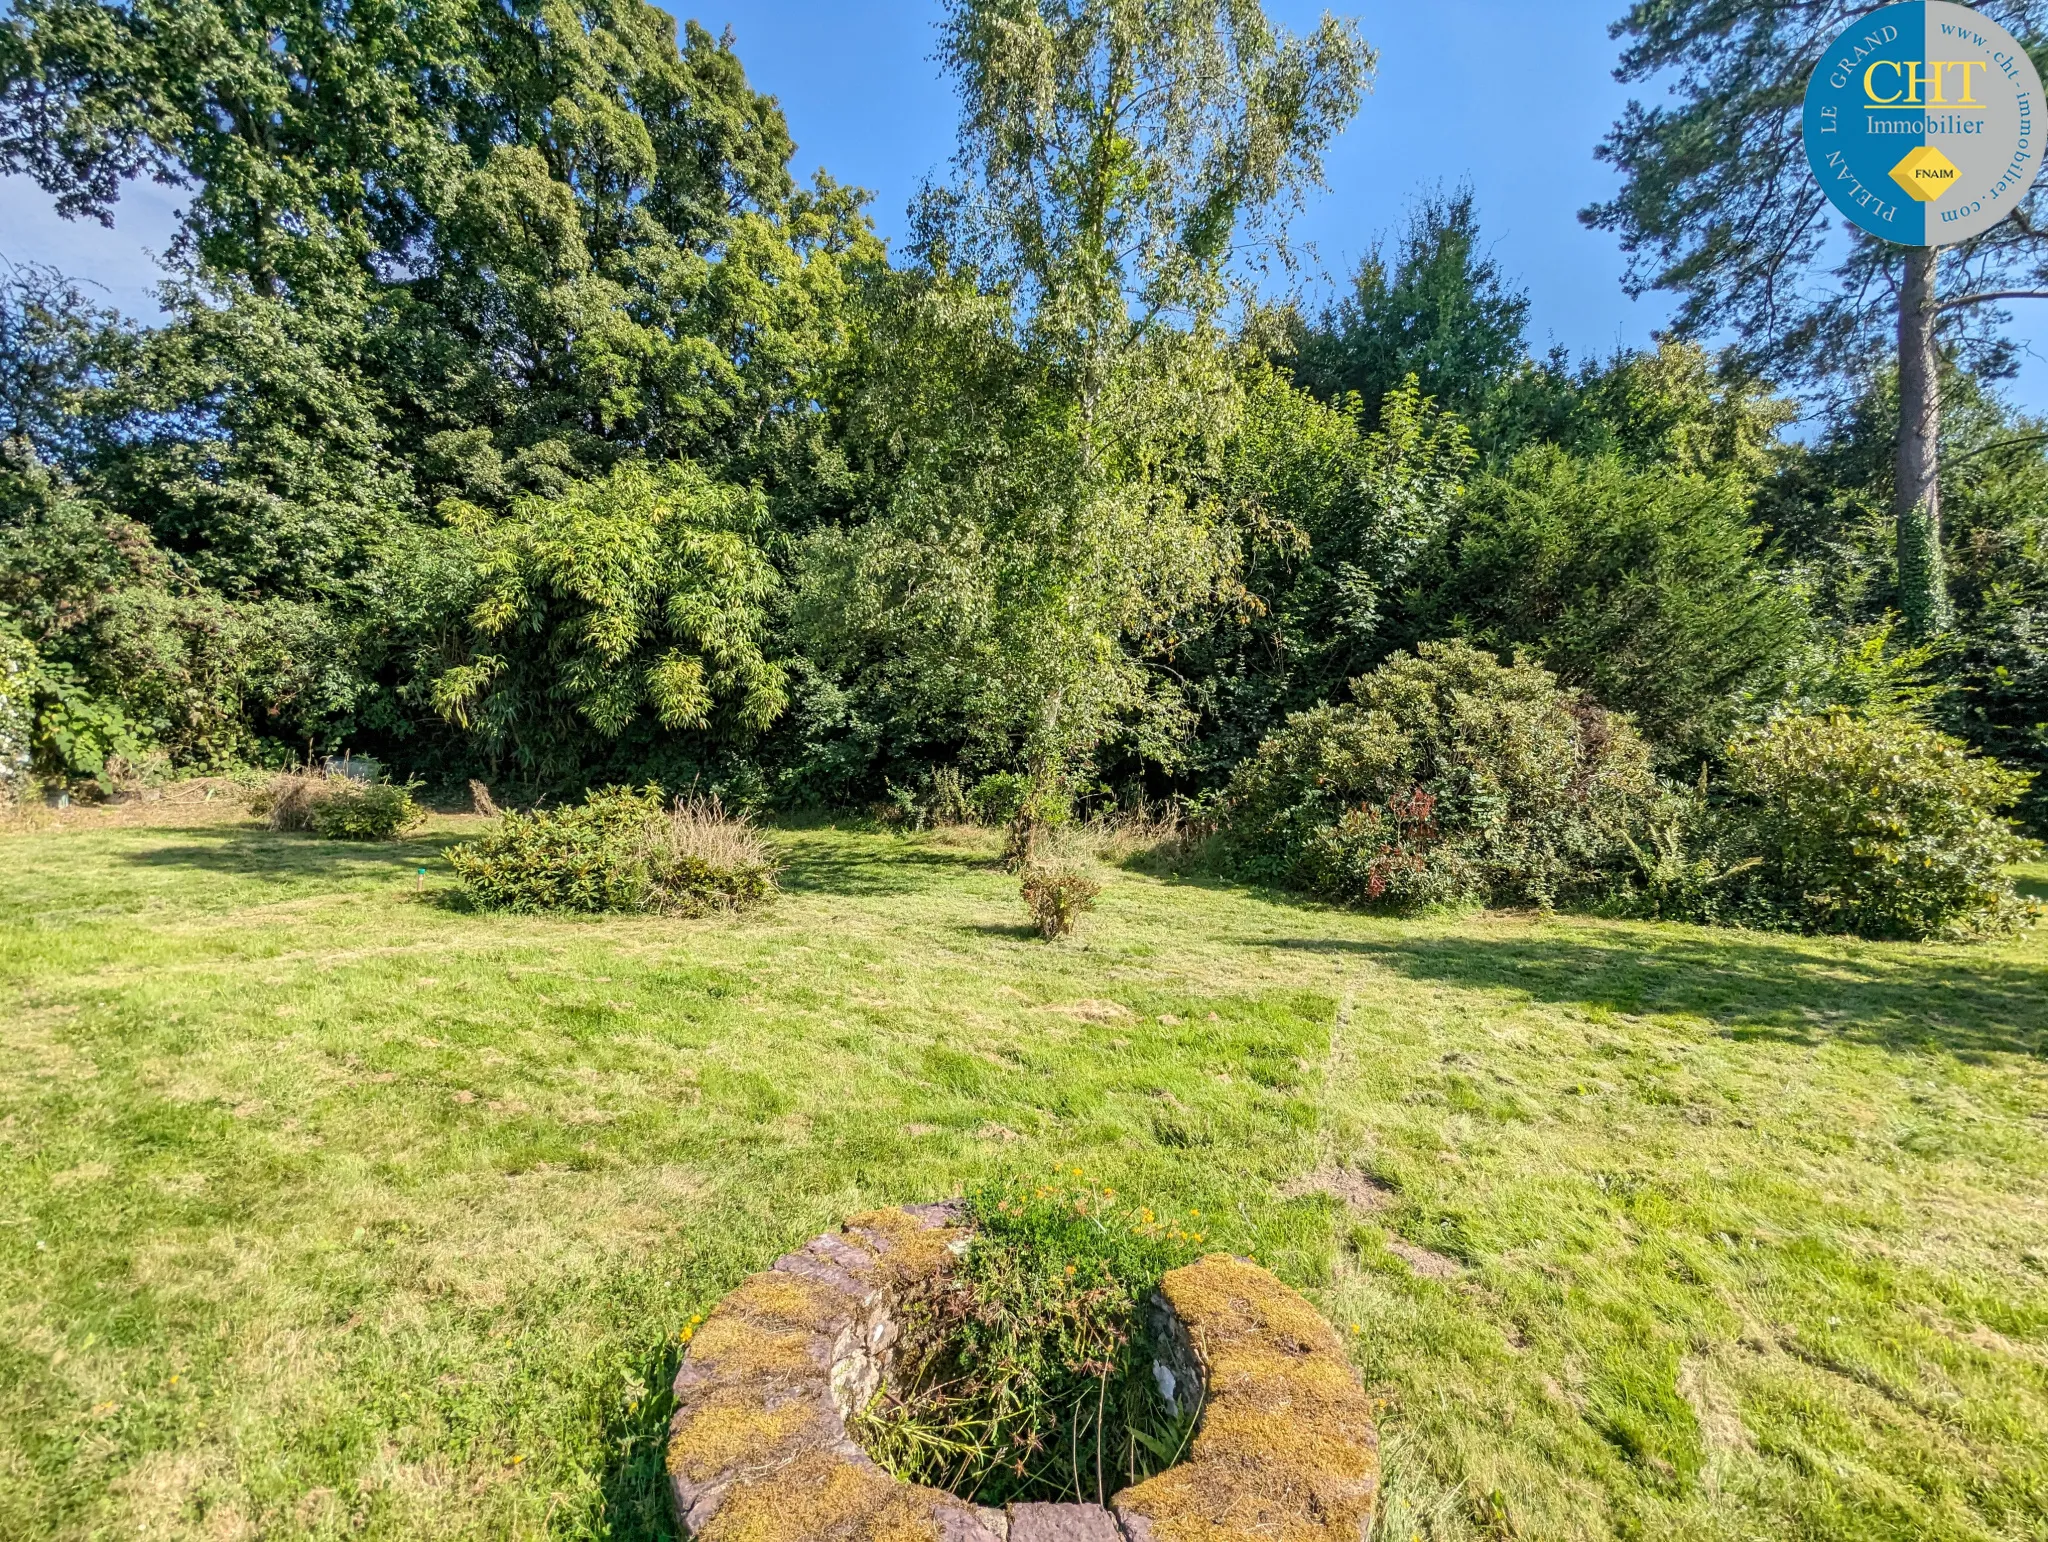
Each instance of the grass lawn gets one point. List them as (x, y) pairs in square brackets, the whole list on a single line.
[(327, 1209)]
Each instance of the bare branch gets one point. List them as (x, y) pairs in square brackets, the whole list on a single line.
[(1997, 294)]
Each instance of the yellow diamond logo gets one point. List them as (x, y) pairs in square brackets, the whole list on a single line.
[(1926, 173)]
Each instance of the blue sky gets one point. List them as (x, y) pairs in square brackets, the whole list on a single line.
[(1510, 95)]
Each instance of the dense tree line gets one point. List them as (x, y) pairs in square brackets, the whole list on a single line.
[(516, 414)]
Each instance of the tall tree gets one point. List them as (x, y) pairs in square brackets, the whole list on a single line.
[(449, 250), (1122, 155), (1438, 308), (1718, 205), (1053, 398)]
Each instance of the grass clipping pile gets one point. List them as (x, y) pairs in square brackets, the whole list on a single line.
[(621, 849), (1027, 1373)]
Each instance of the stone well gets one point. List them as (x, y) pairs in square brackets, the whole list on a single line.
[(759, 1451)]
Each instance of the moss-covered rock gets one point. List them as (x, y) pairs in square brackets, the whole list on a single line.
[(1286, 1449), (758, 1449)]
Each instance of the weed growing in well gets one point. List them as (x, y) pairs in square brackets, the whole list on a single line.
[(1028, 1374)]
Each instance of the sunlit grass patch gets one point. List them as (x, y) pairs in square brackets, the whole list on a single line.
[(328, 1208)]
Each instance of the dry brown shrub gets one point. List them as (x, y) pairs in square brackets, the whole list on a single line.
[(702, 858), (701, 828), (1056, 893), (285, 802)]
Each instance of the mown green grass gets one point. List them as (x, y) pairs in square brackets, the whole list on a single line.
[(328, 1209)]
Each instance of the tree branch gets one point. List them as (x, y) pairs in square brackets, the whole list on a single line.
[(2003, 444), (1999, 294)]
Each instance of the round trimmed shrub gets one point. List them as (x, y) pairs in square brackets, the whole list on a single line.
[(1881, 827), (1452, 779), (363, 811)]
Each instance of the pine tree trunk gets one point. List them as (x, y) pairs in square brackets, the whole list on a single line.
[(1923, 579)]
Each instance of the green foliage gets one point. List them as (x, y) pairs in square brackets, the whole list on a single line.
[(470, 254), (1644, 587), (1828, 509), (56, 346), (1122, 153), (1675, 879), (349, 810), (1027, 1375), (619, 850), (1453, 779), (336, 807), (1444, 313), (1868, 672), (998, 798), (2003, 670), (1879, 827), (640, 593), (1671, 406), (1335, 517), (1717, 205), (1005, 589), (1049, 523), (130, 638), (20, 670), (588, 858), (78, 734), (1439, 311), (939, 797)]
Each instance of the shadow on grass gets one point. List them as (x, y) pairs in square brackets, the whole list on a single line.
[(635, 1478), (265, 854), (2033, 884), (1753, 988), (895, 869)]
